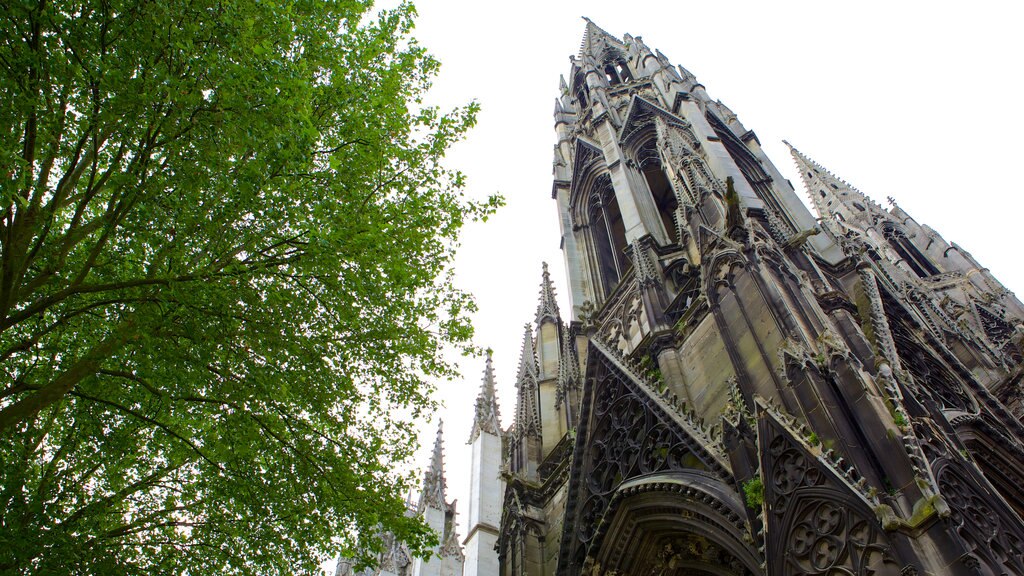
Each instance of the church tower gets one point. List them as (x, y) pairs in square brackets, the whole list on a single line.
[(741, 387)]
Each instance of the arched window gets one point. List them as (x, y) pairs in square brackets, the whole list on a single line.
[(649, 162), (624, 72), (909, 253), (608, 232), (579, 88), (617, 72), (612, 74)]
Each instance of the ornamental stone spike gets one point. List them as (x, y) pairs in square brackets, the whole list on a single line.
[(527, 407), (547, 308), (433, 480), (527, 357), (487, 418)]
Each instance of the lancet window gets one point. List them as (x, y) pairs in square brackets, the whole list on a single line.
[(579, 86), (748, 164), (909, 253), (649, 162), (607, 232), (617, 72)]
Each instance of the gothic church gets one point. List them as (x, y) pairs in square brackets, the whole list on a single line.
[(741, 388)]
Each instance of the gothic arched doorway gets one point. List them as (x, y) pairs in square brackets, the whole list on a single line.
[(673, 524)]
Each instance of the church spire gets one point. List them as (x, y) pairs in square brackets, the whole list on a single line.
[(547, 308), (596, 40), (528, 407), (487, 418), (433, 494), (830, 194)]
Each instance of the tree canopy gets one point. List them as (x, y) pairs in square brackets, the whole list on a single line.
[(225, 248)]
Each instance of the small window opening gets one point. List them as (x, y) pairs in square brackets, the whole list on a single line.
[(613, 76), (664, 198), (921, 265), (624, 72)]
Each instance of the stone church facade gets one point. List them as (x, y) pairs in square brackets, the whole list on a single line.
[(741, 387)]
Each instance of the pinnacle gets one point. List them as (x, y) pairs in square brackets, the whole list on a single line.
[(527, 408), (487, 415), (527, 357), (548, 307), (433, 480)]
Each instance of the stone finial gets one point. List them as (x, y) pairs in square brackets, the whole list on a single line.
[(547, 308), (487, 417), (433, 494)]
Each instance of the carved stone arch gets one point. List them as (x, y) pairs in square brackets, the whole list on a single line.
[(1001, 335), (671, 524), (597, 220), (998, 456), (994, 537), (817, 524), (932, 376), (647, 166), (588, 164), (775, 259), (627, 430), (641, 117), (580, 90), (650, 161), (907, 251), (826, 532), (720, 270)]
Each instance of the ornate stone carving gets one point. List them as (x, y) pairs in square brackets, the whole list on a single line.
[(995, 540), (828, 537)]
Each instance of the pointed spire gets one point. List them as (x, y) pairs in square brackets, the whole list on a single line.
[(830, 194), (596, 40), (527, 406), (487, 418), (433, 494), (527, 356), (547, 308)]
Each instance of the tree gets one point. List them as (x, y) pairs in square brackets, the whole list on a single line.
[(224, 282)]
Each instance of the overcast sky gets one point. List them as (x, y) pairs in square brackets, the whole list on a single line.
[(915, 100)]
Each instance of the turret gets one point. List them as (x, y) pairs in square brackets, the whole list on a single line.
[(549, 336), (525, 447)]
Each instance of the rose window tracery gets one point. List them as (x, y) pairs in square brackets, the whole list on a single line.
[(832, 538)]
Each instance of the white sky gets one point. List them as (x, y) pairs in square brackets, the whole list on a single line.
[(915, 100)]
